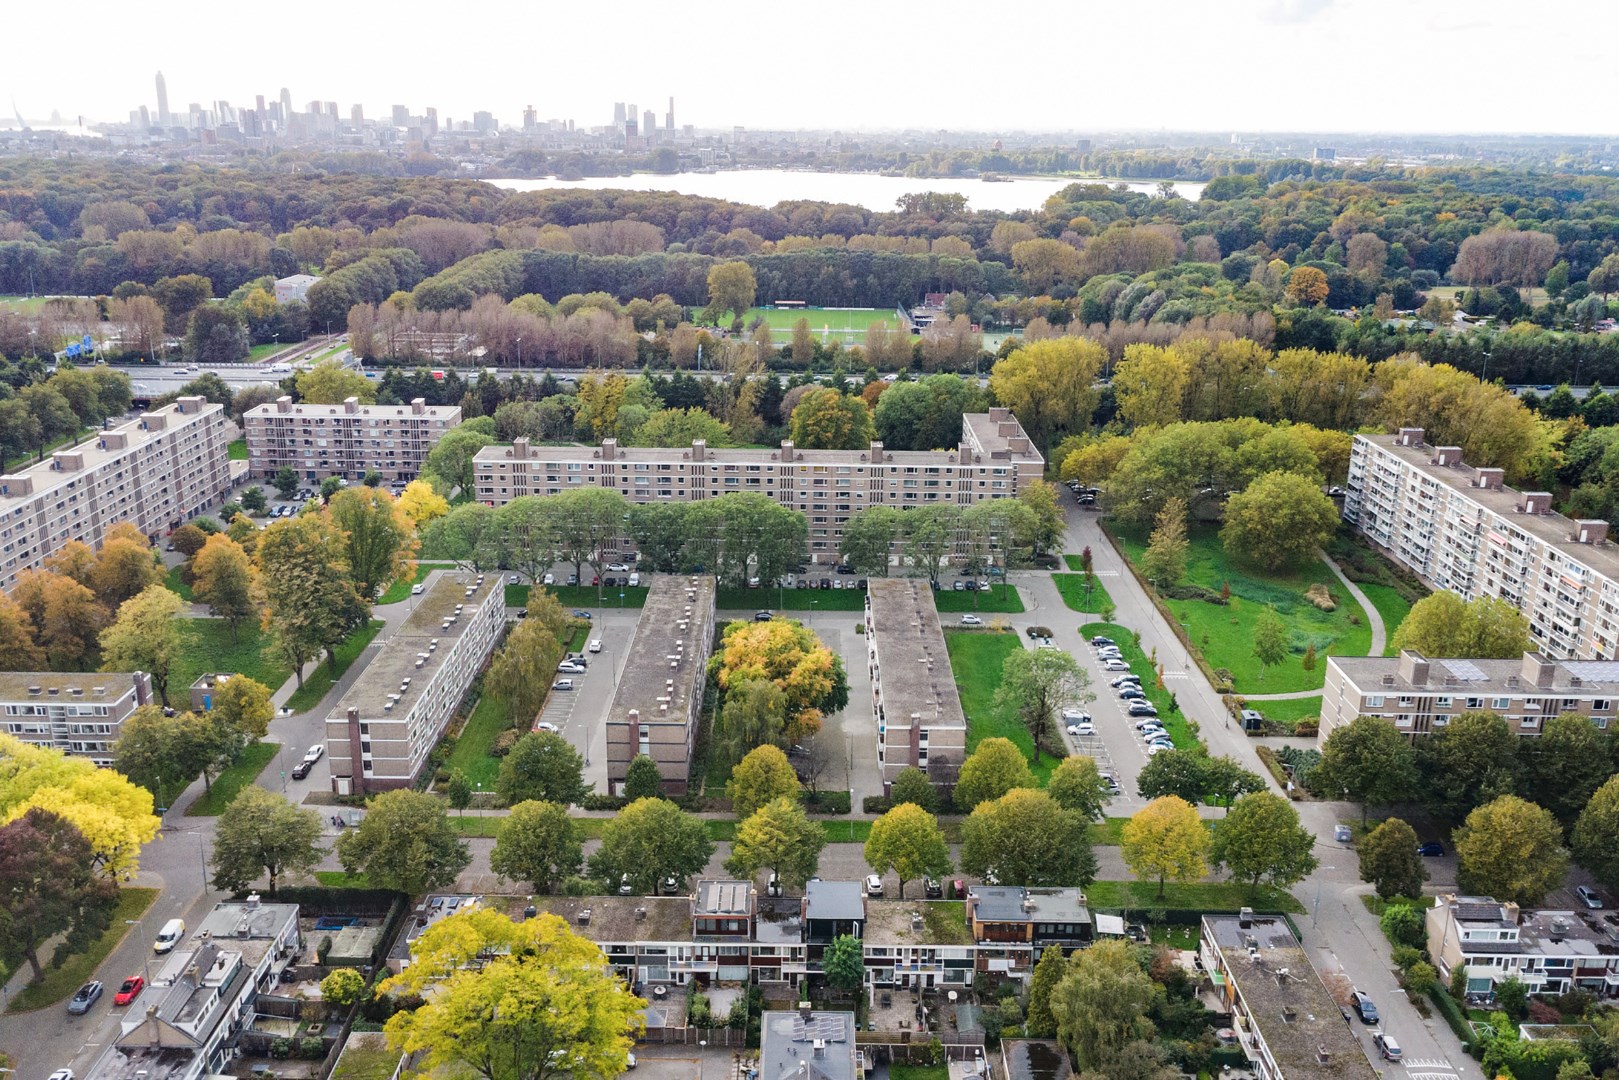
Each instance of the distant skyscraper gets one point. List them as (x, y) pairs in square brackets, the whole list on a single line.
[(146, 118), (618, 114), (633, 115), (669, 117), (401, 116), (483, 122), (531, 119), (286, 102), (649, 123), (357, 117), (431, 115), (162, 100), (632, 126)]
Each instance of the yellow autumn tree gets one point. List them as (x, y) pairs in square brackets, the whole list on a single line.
[(1307, 285), (788, 654), (114, 815), (421, 503)]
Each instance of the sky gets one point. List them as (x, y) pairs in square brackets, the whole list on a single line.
[(1033, 65)]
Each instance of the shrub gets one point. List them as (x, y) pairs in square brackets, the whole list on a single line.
[(281, 1048), (1541, 1012), (311, 1049), (1406, 955), (596, 801), (1403, 925), (504, 742), (1310, 726), (874, 804), (322, 949), (859, 628), (1421, 978), (1319, 595)]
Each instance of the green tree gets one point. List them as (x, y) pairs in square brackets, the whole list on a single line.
[(49, 887), (1279, 520), (1595, 841), (803, 347), (845, 963), (378, 538), (649, 840), (1046, 523), (680, 428), (538, 843), (1469, 762), (642, 779), (1025, 838), (331, 383), (1403, 924), (930, 536), (450, 460), (1051, 386), (1164, 561), (1101, 1003), (223, 577), (164, 753), (1077, 785), (1270, 640), (542, 766), (311, 603), (1182, 773), (995, 767), (754, 715), (1048, 972), (761, 777), (405, 843), (1366, 761), (1261, 840), (868, 538), (1037, 685), (145, 637), (520, 673), (587, 522), (1443, 625), (1511, 849), (1166, 840), (254, 500), (1389, 860), (780, 837), (1566, 764), (345, 987), (827, 419), (528, 1000), (731, 288), (1226, 781), (907, 840), (458, 790), (913, 786), (261, 834), (285, 482)]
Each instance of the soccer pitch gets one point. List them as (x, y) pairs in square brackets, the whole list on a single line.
[(839, 321)]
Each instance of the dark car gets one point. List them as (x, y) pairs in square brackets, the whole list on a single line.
[(301, 770), (826, 583), (1363, 1007), (844, 568), (861, 584), (1432, 849), (1099, 641), (1136, 932), (1142, 708), (932, 889), (762, 616), (88, 995), (581, 614)]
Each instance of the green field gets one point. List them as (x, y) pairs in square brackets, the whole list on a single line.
[(581, 596), (237, 450), (1000, 597), (207, 647), (835, 322), (61, 981), (262, 352), (1225, 634), (1389, 604), (1198, 896), (227, 784), (976, 657), (1173, 719), (1288, 710), (176, 584), (322, 679), (732, 598), (1080, 598)]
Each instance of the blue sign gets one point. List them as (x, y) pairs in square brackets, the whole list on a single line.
[(87, 343)]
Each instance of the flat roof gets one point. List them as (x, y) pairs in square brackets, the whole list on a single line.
[(340, 409), (1016, 904), (1287, 1001), (835, 900), (819, 1046), (723, 898), (915, 665), (622, 918), (917, 922), (1552, 529), (17, 686), (993, 433), (1474, 677), (676, 621), (396, 660), (45, 475)]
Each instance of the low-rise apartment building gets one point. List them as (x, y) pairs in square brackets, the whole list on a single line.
[(347, 440), (919, 717), (157, 472), (1550, 952), (378, 737), (1420, 696), (1459, 528), (79, 713), (660, 690), (994, 459), (1285, 1019)]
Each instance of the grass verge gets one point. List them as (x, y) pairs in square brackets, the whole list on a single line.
[(324, 677), (247, 768), (1180, 732), (237, 450), (1289, 711), (175, 583), (471, 754), (1391, 606), (338, 879), (206, 646), (1196, 896), (59, 982), (732, 598), (581, 596), (400, 590), (1001, 597), (1077, 597), (976, 657)]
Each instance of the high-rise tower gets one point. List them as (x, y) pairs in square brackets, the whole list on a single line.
[(669, 117), (162, 101)]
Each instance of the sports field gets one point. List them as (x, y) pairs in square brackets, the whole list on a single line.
[(841, 322)]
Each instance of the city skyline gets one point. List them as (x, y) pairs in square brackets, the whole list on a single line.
[(1235, 69)]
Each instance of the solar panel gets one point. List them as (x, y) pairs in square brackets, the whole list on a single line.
[(1594, 670), (1465, 670)]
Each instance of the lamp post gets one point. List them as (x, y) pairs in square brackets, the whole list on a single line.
[(1315, 908), (146, 954), (519, 354)]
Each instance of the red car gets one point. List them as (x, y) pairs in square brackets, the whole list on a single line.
[(130, 990)]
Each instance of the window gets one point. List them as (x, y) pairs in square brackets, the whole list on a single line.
[(1374, 701), (1500, 703), (1475, 703), (1601, 705), (1442, 702)]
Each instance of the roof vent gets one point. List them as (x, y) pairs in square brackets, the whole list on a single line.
[(1245, 917), (35, 691), (583, 917), (640, 914), (1321, 1055)]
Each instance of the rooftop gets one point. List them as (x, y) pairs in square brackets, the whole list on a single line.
[(622, 918), (779, 921), (1016, 904), (915, 666), (1554, 530), (148, 1059), (1531, 674), (429, 912), (917, 922), (723, 898), (250, 927), (69, 462), (819, 1046), (667, 658), (88, 686), (342, 408), (1286, 1000), (998, 434), (423, 637), (835, 900)]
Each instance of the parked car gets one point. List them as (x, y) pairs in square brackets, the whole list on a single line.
[(1142, 708), (1363, 1006), (1131, 693), (580, 614), (546, 725), (1431, 849), (1588, 896), (1386, 1046), (1342, 834), (1115, 665), (635, 579), (88, 995), (315, 753), (562, 684), (762, 616), (1157, 748), (568, 667), (549, 579), (302, 769), (1099, 641), (971, 620), (1133, 680), (874, 885), (595, 645), (62, 1074), (130, 990), (932, 889), (1075, 716), (618, 568), (1082, 728), (416, 590)]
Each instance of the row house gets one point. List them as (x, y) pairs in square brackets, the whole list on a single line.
[(1550, 952)]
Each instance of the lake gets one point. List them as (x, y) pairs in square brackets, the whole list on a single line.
[(767, 187)]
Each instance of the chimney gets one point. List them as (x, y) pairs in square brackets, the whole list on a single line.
[(609, 449), (805, 1009), (1537, 670), (1245, 917), (1590, 531), (418, 405), (699, 448), (1447, 455), (999, 413), (1536, 502), (283, 403), (154, 421), (1413, 668), (786, 449), (1409, 436), (876, 453), (115, 440), (351, 404), (520, 447), (1489, 478)]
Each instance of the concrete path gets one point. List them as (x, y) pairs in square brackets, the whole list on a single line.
[(1373, 617)]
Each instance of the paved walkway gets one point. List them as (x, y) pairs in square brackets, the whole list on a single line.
[(1373, 617)]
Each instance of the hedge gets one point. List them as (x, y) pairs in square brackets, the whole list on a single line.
[(1453, 1015)]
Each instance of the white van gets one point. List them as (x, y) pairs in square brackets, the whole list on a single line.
[(169, 936), (635, 578)]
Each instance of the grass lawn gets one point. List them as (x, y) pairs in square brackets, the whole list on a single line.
[(1392, 606), (471, 753), (735, 599), (581, 596), (1225, 634), (1001, 597), (237, 449), (918, 1072), (60, 982), (176, 584), (836, 321), (246, 770), (1074, 593), (324, 677), (1198, 896), (976, 657), (366, 1056), (1289, 710), (1174, 721), (259, 352), (400, 590), (207, 646), (1175, 937), (338, 879), (1107, 832), (846, 832)]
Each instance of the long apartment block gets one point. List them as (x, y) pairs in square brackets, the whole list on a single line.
[(993, 460), (920, 721), (1419, 695), (347, 440), (654, 709), (156, 471), (79, 713), (1460, 528), (379, 735)]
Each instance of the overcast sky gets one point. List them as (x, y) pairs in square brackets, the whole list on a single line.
[(1083, 65)]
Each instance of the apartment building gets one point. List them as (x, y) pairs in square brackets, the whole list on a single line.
[(994, 459), (347, 440), (1420, 696), (156, 471), (187, 1022), (78, 713), (660, 690), (1285, 1019), (1549, 951), (919, 717), (1460, 529), (379, 735)]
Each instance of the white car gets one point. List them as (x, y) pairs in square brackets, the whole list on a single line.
[(635, 579), (874, 885), (62, 1074), (1157, 748), (562, 684), (1115, 665), (546, 725), (315, 753), (595, 645), (1109, 654), (568, 667), (971, 620), (1085, 728), (548, 579), (617, 568), (417, 590), (1075, 716)]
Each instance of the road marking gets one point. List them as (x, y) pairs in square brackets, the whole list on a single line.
[(1176, 675)]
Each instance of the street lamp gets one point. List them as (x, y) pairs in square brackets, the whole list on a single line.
[(519, 354), (1315, 909)]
